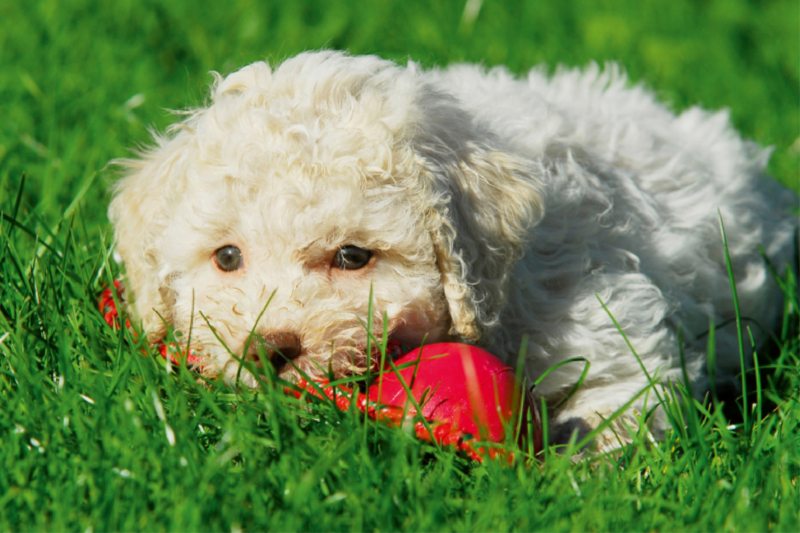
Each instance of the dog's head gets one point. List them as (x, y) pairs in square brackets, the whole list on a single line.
[(268, 216)]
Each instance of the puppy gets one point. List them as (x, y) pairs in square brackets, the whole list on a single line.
[(470, 206)]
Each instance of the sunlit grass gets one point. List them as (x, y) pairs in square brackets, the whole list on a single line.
[(96, 433)]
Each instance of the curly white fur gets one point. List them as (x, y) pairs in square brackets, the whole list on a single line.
[(496, 208)]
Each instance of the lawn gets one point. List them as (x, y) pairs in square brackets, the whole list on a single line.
[(96, 436)]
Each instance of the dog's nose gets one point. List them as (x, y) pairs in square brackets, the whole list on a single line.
[(280, 346)]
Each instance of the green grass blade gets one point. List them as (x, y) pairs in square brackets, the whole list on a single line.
[(739, 334)]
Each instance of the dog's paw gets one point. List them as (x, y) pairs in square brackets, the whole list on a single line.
[(589, 410)]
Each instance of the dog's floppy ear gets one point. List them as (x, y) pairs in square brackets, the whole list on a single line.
[(140, 212), (485, 202), (148, 198)]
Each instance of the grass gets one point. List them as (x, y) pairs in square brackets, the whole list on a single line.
[(96, 436)]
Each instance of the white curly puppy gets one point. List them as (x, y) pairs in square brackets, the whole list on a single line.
[(477, 206)]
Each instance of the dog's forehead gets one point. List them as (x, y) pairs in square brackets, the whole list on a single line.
[(326, 210), (291, 211), (291, 184), (291, 206), (305, 149)]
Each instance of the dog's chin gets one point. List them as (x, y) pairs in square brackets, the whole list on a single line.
[(342, 364), (253, 375)]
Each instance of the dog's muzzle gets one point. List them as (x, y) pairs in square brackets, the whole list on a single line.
[(279, 347)]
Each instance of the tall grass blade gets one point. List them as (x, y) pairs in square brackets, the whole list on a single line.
[(711, 362), (759, 399), (739, 334)]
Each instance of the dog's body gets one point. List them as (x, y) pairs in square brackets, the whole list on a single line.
[(477, 207)]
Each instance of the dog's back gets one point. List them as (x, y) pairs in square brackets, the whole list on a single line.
[(631, 200)]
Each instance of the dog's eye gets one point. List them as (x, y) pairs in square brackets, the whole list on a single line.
[(229, 258), (351, 258)]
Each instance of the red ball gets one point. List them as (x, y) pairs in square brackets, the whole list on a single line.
[(464, 386)]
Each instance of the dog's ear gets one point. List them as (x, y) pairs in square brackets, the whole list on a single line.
[(140, 212), (485, 202), (148, 197)]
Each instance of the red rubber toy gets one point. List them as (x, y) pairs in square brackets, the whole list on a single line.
[(464, 386)]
